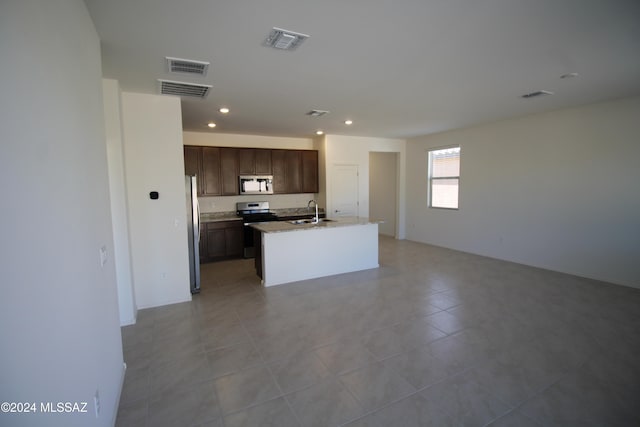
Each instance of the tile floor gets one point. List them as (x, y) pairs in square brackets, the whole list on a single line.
[(433, 337)]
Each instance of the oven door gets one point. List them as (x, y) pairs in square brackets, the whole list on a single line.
[(249, 246)]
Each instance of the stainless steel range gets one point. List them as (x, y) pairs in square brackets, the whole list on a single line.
[(253, 213)]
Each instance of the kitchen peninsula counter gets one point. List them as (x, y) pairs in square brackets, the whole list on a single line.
[(288, 252), (286, 226)]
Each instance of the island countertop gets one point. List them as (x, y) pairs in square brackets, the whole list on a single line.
[(286, 226)]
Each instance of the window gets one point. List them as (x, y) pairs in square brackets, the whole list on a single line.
[(444, 177)]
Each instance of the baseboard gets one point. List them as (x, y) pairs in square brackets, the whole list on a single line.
[(128, 322), (117, 406), (168, 302)]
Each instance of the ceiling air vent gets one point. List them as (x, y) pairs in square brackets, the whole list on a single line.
[(537, 93), (187, 66), (317, 113), (284, 39), (168, 87)]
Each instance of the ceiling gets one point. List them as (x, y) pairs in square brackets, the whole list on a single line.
[(397, 68)]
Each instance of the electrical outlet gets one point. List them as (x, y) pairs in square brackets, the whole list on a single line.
[(96, 402), (103, 256)]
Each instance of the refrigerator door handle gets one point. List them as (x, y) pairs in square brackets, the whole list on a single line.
[(198, 210)]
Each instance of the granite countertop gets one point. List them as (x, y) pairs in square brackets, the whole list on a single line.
[(282, 213), (219, 216), (297, 212), (285, 226)]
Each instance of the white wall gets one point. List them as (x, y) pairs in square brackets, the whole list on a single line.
[(383, 190), (154, 161), (228, 203), (353, 150), (215, 139), (59, 324), (559, 190), (118, 195)]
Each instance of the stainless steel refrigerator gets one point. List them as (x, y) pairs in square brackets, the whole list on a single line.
[(193, 231)]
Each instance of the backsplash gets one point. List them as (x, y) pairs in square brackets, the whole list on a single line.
[(276, 201)]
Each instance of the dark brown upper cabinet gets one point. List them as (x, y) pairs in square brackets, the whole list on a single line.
[(246, 161), (254, 161), (278, 168), (204, 163), (229, 171), (293, 171), (192, 160), (211, 171), (309, 171), (218, 168), (263, 161)]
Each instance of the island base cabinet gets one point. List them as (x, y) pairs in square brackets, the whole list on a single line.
[(334, 251)]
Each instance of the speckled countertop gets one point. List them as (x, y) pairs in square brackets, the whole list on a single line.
[(232, 216), (289, 212), (219, 216), (284, 226)]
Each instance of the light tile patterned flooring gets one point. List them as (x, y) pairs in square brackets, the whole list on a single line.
[(433, 337)]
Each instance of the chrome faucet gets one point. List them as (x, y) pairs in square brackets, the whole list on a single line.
[(317, 218)]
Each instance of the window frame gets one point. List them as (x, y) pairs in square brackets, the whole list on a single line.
[(430, 178)]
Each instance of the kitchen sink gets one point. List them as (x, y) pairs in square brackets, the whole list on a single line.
[(309, 221)]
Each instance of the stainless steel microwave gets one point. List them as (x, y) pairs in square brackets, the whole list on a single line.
[(256, 184)]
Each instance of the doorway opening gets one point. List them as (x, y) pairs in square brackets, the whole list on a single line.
[(383, 191)]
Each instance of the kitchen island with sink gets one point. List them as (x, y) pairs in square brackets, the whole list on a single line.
[(289, 251)]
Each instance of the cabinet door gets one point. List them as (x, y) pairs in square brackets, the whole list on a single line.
[(234, 240), (278, 167), (192, 160), (309, 171), (204, 256), (211, 172), (216, 242), (229, 171), (293, 171), (246, 161), (263, 162), (224, 239), (193, 164)]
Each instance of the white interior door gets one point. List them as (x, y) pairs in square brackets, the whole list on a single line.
[(344, 190)]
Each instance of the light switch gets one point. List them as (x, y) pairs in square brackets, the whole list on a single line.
[(103, 256)]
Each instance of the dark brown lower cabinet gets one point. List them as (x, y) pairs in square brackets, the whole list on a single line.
[(221, 240)]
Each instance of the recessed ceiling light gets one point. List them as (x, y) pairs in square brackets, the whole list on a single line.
[(224, 110), (317, 113), (211, 125), (569, 75), (348, 122), (319, 132), (537, 93)]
